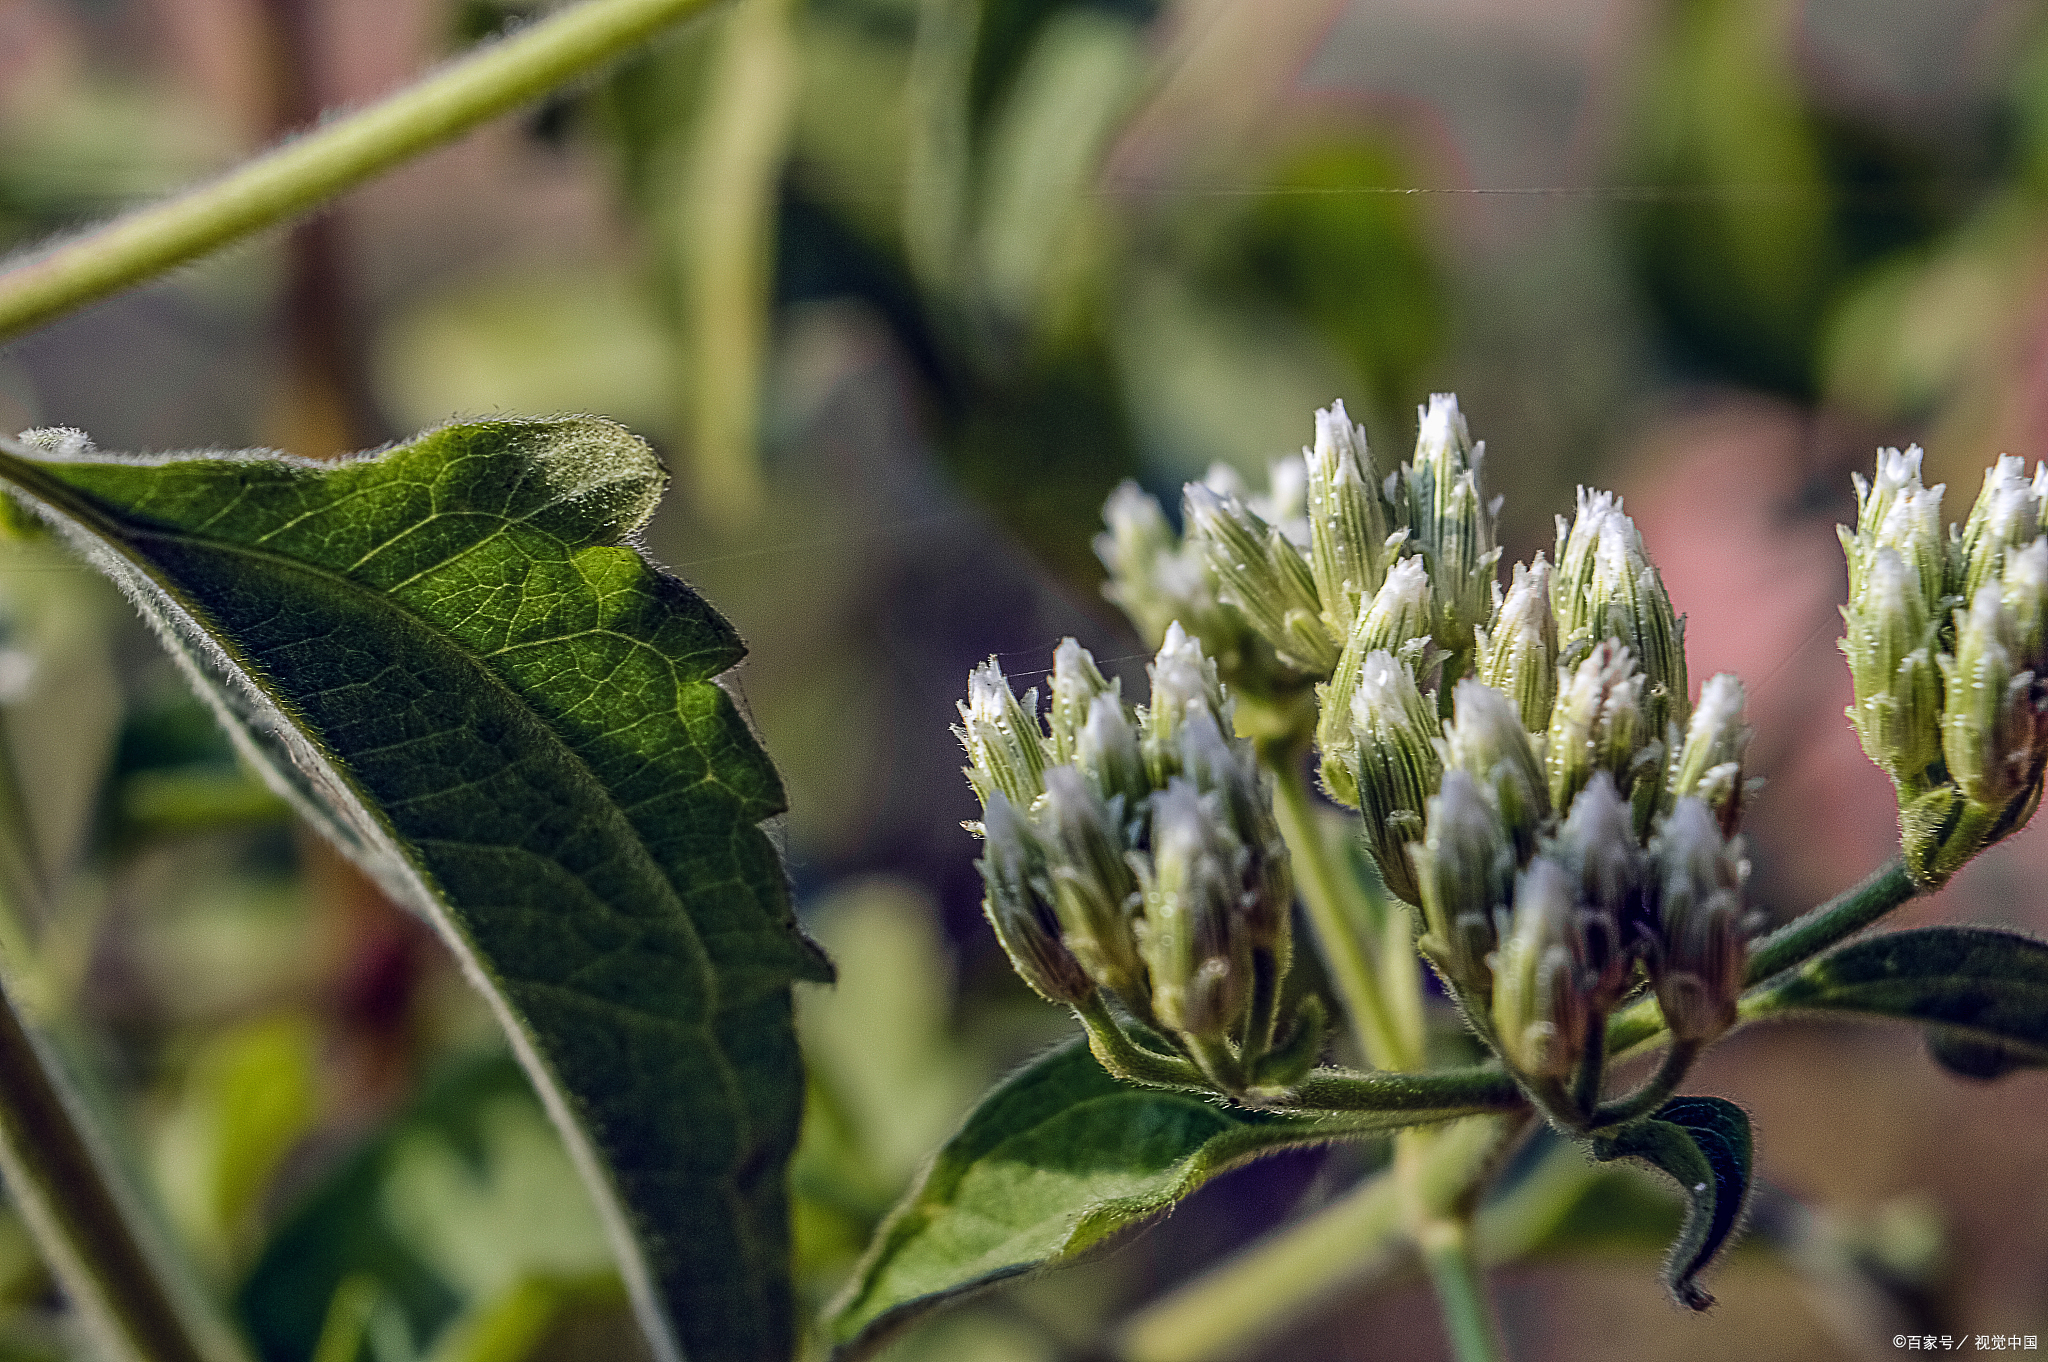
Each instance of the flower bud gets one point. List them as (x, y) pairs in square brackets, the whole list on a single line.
[(1199, 962), (1182, 680), (1075, 684), (1517, 652), (1005, 746), (1897, 476), (1465, 873), (1019, 905), (1539, 1011), (1260, 571), (1347, 523), (1709, 766), (1107, 752), (1702, 946), (1611, 590), (1157, 578), (1398, 622), (1095, 895), (1486, 739), (1897, 513), (1448, 522), (1889, 641), (1401, 616), (1153, 577), (1389, 764), (1578, 544), (1597, 850), (1225, 771), (2025, 589), (1596, 723), (2007, 517), (1992, 730)]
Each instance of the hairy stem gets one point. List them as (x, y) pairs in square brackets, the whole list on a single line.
[(1843, 916), (1471, 1090), (1342, 918), (1128, 1060), (1678, 1061), (306, 171)]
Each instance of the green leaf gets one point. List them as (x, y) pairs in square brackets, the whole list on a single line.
[(448, 658), (1703, 1144), (1054, 1160), (1983, 992)]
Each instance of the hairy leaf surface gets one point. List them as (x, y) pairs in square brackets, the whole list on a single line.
[(1983, 992), (1054, 1160), (446, 655), (1703, 1144)]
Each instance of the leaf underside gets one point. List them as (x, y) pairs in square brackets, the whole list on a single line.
[(1703, 1144), (1983, 993), (1054, 1160), (446, 655)]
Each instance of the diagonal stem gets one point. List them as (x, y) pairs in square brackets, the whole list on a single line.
[(1843, 916), (61, 1179), (300, 174), (1342, 924)]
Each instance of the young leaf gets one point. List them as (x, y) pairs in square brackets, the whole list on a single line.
[(447, 657), (1703, 1144), (1055, 1159), (1983, 992)]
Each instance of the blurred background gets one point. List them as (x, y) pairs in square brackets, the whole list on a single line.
[(901, 289)]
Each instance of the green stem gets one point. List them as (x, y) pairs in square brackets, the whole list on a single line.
[(1460, 1285), (1678, 1061), (62, 1181), (1471, 1090), (1337, 911), (1128, 1060), (1811, 933), (306, 171)]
